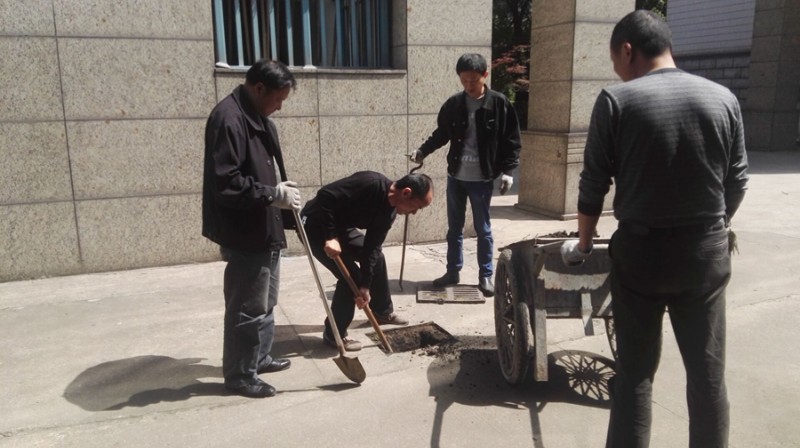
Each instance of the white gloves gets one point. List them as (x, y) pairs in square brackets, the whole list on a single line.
[(571, 255), (506, 182), (287, 196), (416, 156)]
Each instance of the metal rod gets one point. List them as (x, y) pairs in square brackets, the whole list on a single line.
[(323, 33), (355, 59), (289, 32), (383, 24), (307, 54), (369, 27), (273, 30), (219, 32), (405, 236), (238, 14), (256, 34), (339, 19)]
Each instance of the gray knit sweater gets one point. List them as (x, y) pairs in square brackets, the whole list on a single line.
[(673, 143)]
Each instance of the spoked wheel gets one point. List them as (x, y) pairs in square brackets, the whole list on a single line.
[(512, 323), (611, 334), (588, 375)]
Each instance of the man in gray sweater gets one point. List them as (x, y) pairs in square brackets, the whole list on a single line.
[(674, 144)]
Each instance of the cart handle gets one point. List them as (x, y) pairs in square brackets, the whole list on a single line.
[(553, 248)]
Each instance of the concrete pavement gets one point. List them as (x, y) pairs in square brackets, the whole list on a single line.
[(133, 358)]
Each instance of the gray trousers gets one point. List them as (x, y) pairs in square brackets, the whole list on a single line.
[(686, 274), (251, 293)]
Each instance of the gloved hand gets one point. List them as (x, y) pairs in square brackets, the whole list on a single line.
[(571, 255), (506, 182), (287, 196), (416, 156)]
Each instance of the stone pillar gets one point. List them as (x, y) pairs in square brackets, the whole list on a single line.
[(773, 97), (569, 66)]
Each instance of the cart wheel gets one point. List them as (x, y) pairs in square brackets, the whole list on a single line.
[(512, 324), (611, 334), (588, 376)]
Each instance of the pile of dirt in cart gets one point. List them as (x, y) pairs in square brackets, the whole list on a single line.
[(565, 234), (560, 234)]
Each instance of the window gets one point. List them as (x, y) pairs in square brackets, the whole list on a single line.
[(310, 33)]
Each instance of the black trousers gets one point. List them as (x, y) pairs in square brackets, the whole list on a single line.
[(343, 305), (685, 274), (251, 285)]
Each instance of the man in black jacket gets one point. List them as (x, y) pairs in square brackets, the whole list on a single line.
[(242, 202), (482, 129), (370, 201)]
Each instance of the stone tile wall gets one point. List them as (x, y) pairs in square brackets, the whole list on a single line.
[(104, 105), (730, 70)]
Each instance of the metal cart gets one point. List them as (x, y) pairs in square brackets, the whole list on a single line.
[(533, 284)]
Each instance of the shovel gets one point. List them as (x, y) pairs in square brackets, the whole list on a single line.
[(370, 316), (351, 367), (405, 236)]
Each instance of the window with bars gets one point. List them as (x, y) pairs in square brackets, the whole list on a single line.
[(308, 33)]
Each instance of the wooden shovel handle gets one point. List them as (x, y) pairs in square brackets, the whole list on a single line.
[(357, 293)]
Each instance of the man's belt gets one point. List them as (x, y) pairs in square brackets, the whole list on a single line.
[(689, 229)]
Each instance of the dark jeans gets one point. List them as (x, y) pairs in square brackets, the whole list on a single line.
[(686, 274), (343, 305), (251, 293), (480, 198)]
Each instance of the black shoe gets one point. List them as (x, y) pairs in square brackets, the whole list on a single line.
[(486, 286), (257, 389), (450, 278), (276, 365)]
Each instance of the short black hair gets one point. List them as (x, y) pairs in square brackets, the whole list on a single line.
[(646, 31), (471, 62), (273, 74), (420, 184)]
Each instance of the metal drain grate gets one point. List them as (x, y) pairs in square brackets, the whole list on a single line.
[(451, 294)]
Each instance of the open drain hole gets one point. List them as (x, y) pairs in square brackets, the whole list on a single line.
[(428, 337)]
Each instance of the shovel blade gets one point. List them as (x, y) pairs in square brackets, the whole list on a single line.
[(352, 368)]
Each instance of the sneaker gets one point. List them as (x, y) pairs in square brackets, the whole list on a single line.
[(391, 319), (486, 286), (256, 389), (350, 345), (449, 278)]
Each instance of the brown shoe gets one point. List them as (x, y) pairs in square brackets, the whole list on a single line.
[(390, 319), (350, 345)]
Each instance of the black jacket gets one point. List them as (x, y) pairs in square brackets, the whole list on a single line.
[(357, 201), (497, 132), (239, 179)]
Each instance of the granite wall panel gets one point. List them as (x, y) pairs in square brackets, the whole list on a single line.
[(35, 167), (39, 240), (135, 78)]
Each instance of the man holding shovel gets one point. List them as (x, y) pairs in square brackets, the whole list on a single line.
[(243, 201), (370, 201)]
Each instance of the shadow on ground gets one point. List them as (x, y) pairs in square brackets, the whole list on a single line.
[(472, 377), (151, 379), (141, 381)]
